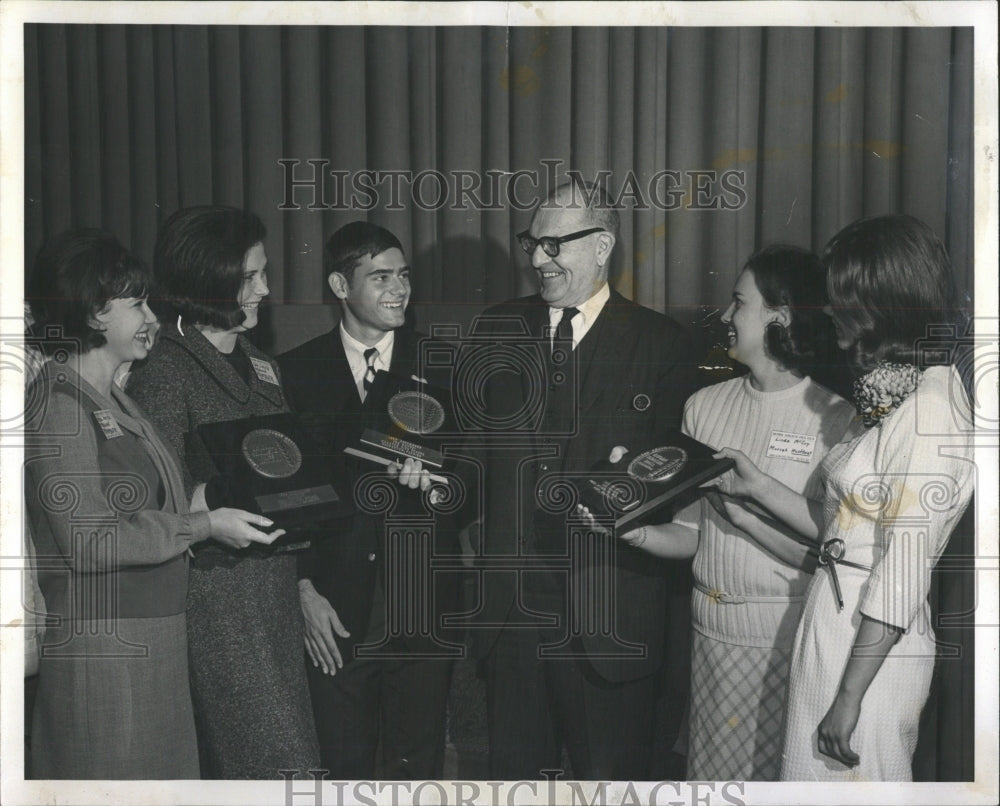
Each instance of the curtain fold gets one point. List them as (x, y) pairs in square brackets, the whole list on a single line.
[(882, 144), (145, 187), (224, 111), (124, 124), (960, 221), (194, 100), (167, 187), (840, 129), (303, 245)]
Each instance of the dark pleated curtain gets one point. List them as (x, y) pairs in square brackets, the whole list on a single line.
[(124, 124)]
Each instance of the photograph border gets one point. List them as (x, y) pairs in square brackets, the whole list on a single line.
[(982, 16)]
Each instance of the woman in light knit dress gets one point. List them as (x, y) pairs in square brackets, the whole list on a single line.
[(111, 519), (864, 652), (749, 577)]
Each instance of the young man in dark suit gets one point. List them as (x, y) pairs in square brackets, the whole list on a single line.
[(360, 701), (573, 641)]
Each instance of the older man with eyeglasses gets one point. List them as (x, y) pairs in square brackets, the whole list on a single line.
[(571, 639)]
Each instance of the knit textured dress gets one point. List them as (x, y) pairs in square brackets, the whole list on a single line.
[(893, 495), (746, 603)]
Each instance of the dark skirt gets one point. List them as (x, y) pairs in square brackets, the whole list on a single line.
[(115, 706), (248, 676)]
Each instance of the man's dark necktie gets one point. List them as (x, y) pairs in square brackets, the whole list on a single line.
[(370, 355), (564, 330)]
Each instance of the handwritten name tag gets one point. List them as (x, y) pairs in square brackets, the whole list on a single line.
[(786, 445), (107, 423), (264, 370)]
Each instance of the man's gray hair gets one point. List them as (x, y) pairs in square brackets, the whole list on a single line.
[(577, 194)]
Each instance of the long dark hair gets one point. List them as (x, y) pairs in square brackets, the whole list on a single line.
[(891, 279)]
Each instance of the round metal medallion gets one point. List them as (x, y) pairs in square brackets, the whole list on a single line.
[(271, 453), (659, 464), (416, 412)]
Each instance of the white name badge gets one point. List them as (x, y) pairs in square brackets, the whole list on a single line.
[(264, 370), (786, 445), (108, 424)]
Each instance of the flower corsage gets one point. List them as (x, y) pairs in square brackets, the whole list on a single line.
[(881, 391)]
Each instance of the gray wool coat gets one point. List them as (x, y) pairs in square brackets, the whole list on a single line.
[(245, 627)]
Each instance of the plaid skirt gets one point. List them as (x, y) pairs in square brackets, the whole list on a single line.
[(737, 711)]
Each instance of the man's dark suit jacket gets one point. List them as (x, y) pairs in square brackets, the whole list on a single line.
[(635, 370), (318, 382)]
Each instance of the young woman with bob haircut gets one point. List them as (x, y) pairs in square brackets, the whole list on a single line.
[(111, 522)]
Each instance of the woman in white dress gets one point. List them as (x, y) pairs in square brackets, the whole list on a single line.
[(864, 651)]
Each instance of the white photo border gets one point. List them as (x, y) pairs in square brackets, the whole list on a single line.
[(980, 15)]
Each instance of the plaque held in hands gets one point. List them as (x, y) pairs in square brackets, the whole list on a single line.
[(271, 469), (647, 484), (406, 412)]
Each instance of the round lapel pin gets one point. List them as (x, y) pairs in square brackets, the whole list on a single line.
[(641, 402)]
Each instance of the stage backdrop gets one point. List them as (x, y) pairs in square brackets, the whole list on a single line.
[(124, 124)]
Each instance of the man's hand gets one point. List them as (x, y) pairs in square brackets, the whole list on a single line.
[(410, 473), (321, 625)]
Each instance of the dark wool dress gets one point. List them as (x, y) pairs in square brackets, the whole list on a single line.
[(245, 627)]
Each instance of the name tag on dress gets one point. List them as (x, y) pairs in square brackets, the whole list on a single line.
[(108, 424), (786, 445), (264, 370)]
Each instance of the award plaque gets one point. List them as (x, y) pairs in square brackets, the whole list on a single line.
[(406, 412), (646, 484), (273, 470)]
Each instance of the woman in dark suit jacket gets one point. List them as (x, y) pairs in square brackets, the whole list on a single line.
[(110, 519), (244, 622)]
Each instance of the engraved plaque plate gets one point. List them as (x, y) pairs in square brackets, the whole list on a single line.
[(274, 469), (271, 453), (648, 483), (403, 415)]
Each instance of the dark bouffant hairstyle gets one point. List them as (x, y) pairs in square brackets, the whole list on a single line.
[(792, 277), (353, 242), (890, 277), (74, 277), (198, 262)]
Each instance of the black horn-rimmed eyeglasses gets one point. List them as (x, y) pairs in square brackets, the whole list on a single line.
[(550, 243)]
